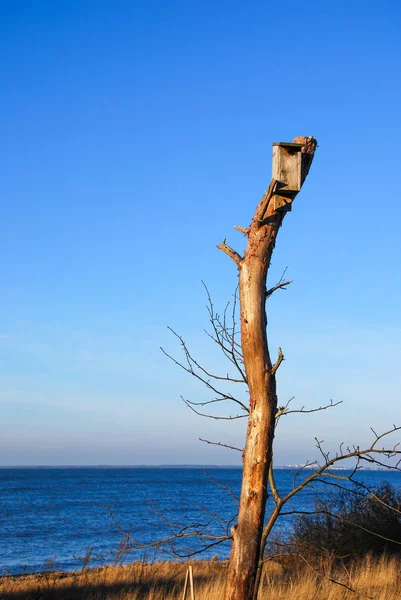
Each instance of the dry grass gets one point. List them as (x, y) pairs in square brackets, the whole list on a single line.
[(370, 578)]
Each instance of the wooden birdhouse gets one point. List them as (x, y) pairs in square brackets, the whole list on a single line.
[(286, 169)]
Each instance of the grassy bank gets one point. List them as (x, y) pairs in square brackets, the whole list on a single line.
[(370, 578)]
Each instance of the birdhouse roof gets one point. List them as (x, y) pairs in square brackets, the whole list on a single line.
[(288, 144)]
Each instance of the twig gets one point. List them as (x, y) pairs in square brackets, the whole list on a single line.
[(283, 410), (279, 286), (191, 361), (331, 579), (216, 400), (324, 470), (224, 335), (223, 487), (217, 418), (221, 444)]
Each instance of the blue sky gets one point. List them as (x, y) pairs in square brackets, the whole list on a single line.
[(135, 135)]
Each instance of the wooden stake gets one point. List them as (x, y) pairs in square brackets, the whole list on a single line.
[(184, 595), (191, 582)]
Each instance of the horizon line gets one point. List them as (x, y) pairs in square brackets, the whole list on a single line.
[(169, 466)]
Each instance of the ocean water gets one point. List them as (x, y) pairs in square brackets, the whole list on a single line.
[(48, 516)]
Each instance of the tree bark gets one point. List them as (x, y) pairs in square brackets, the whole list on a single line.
[(247, 546), (260, 372)]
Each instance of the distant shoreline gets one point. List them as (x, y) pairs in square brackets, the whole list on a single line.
[(280, 467)]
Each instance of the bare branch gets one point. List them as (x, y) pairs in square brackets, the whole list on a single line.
[(217, 418), (197, 531), (216, 400), (278, 362), (224, 337), (307, 465), (201, 550), (331, 579), (89, 558), (357, 453), (243, 230), (361, 485), (221, 444), (279, 286), (225, 488), (237, 258), (322, 511), (189, 368), (317, 409), (272, 483), (191, 362), (205, 381), (324, 575), (283, 410)]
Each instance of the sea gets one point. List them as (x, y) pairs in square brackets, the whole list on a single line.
[(73, 517)]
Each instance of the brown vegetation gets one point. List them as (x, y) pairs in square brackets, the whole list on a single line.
[(379, 579)]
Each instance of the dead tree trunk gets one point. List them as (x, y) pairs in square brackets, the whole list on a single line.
[(260, 372)]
